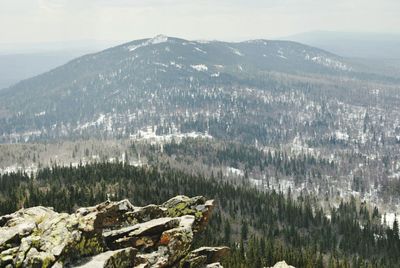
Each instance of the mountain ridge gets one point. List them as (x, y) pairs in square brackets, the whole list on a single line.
[(114, 79), (184, 41)]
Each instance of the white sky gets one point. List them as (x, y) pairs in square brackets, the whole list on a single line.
[(33, 21)]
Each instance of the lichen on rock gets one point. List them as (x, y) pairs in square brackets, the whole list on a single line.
[(110, 234)]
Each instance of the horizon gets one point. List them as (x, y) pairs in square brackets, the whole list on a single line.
[(40, 21), (93, 44)]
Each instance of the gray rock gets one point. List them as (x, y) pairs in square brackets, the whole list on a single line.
[(110, 234), (282, 264), (205, 255), (147, 213), (122, 258), (214, 265)]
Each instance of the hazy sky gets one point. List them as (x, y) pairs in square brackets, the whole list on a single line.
[(33, 21)]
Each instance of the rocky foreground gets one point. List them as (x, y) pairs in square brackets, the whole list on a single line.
[(111, 234)]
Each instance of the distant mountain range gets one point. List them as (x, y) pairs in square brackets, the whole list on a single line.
[(353, 45), (22, 61), (150, 81), (18, 62), (16, 67), (277, 55)]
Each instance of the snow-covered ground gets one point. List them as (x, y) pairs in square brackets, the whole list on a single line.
[(149, 135), (328, 62), (200, 67), (231, 171), (156, 40), (388, 219)]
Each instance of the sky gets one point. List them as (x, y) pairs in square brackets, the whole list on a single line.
[(38, 21)]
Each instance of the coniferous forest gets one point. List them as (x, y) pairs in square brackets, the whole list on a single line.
[(261, 228), (125, 124)]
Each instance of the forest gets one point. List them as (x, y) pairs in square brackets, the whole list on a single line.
[(261, 227)]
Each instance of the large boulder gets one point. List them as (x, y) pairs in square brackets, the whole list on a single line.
[(110, 234), (197, 206)]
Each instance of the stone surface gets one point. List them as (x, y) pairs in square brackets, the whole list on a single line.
[(214, 265), (205, 255), (282, 264), (110, 234), (122, 258)]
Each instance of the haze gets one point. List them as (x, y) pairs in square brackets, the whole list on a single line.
[(36, 21)]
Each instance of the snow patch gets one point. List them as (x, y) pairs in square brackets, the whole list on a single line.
[(280, 54), (153, 41), (149, 135), (177, 65), (200, 67), (159, 39), (255, 182), (236, 51), (234, 171), (341, 136), (388, 219), (40, 114), (200, 50), (328, 62)]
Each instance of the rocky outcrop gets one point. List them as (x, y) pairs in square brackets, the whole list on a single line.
[(282, 264), (111, 234), (205, 257)]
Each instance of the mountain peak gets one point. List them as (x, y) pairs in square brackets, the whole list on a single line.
[(160, 38)]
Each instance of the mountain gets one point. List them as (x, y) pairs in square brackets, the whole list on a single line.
[(127, 78), (299, 146), (261, 227), (278, 114)]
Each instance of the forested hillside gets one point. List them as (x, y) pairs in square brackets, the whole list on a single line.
[(261, 227), (280, 114)]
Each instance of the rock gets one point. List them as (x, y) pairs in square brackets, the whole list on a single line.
[(174, 244), (178, 242), (105, 215), (122, 258), (204, 255), (34, 258), (154, 226), (147, 213), (139, 235), (282, 264), (214, 265), (197, 206), (21, 223), (110, 234)]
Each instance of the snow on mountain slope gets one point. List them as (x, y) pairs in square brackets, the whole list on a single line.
[(140, 76)]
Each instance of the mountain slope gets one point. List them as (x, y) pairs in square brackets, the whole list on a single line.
[(15, 67), (261, 228), (132, 76)]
